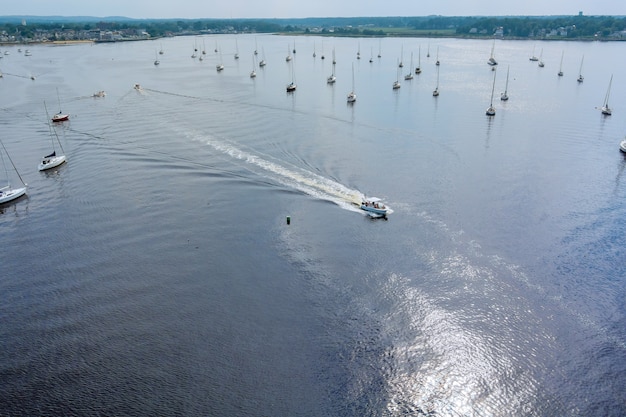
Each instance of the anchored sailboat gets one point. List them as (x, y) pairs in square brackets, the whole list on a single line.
[(331, 79), (418, 69), (52, 160), (505, 96), (436, 91), (491, 111), (409, 76), (60, 116), (352, 94), (8, 193), (606, 110), (492, 61), (580, 71)]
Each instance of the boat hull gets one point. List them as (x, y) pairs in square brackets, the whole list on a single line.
[(48, 163), (12, 194), (60, 117), (622, 146)]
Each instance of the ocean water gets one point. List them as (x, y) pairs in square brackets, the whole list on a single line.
[(155, 272)]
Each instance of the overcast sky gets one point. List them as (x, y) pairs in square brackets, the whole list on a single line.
[(307, 8)]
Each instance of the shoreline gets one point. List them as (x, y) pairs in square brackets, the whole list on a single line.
[(327, 35)]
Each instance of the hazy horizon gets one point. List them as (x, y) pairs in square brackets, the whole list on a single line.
[(196, 9)]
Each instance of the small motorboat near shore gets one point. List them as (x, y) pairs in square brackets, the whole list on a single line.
[(374, 206)]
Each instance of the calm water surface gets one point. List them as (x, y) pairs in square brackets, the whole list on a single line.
[(155, 274)]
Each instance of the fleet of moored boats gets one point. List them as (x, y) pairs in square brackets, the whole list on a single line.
[(374, 206)]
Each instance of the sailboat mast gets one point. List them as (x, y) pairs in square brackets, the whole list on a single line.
[(493, 86), (608, 92), (52, 131), (12, 164)]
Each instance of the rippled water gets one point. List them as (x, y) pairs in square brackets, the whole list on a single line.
[(155, 273)]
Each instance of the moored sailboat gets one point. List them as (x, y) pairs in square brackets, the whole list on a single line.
[(436, 90), (52, 160), (580, 71), (505, 96), (8, 193), (418, 69), (352, 95), (605, 109), (60, 116), (409, 76), (491, 111), (492, 61), (331, 78)]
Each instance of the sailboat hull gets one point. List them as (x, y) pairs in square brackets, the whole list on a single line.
[(48, 163), (60, 117), (7, 195)]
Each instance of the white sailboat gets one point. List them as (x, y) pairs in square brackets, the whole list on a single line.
[(352, 94), (533, 57), (236, 49), (379, 49), (220, 66), (291, 87), (358, 52), (262, 62), (52, 160), (580, 71), (331, 78), (505, 96), (437, 61), (401, 56), (606, 110), (253, 72), (288, 58), (436, 90), (491, 111), (409, 76), (492, 61), (371, 54), (161, 52), (156, 59), (540, 64), (396, 84), (314, 54), (8, 193), (560, 73)]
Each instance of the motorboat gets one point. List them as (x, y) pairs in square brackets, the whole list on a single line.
[(100, 93), (375, 205)]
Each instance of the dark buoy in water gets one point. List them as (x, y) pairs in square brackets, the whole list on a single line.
[(288, 219)]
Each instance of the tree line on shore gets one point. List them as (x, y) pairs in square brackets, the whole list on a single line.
[(570, 27)]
